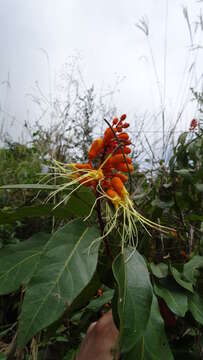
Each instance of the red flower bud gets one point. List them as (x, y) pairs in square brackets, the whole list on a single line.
[(193, 124), (123, 117), (115, 121)]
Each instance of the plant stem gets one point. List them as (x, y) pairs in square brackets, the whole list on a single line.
[(101, 223)]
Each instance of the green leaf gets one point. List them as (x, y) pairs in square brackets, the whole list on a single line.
[(196, 307), (182, 138), (96, 304), (135, 296), (167, 185), (191, 266), (195, 217), (140, 196), (12, 215), (87, 293), (77, 206), (199, 187), (65, 268), (18, 262), (70, 355), (154, 344), (173, 295), (2, 356), (185, 173), (159, 270), (178, 277), (162, 204)]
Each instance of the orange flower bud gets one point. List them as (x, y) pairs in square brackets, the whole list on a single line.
[(123, 167), (83, 166), (108, 135), (119, 158), (123, 136), (126, 125), (117, 184), (123, 177), (96, 148), (112, 194)]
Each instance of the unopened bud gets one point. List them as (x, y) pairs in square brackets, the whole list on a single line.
[(123, 117), (115, 121), (126, 125)]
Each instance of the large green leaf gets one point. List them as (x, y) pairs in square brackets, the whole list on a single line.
[(135, 296), (87, 293), (9, 216), (195, 302), (173, 295), (65, 268), (79, 205), (18, 262), (153, 345), (74, 207)]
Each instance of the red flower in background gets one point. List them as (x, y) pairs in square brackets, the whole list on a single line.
[(193, 124)]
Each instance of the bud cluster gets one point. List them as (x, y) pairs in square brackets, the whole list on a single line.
[(112, 151)]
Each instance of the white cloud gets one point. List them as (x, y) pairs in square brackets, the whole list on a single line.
[(104, 32)]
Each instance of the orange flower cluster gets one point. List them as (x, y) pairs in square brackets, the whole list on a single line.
[(106, 173), (111, 153)]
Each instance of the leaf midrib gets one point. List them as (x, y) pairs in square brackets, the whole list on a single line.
[(57, 279)]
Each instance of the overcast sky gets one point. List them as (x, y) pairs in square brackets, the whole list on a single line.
[(103, 32)]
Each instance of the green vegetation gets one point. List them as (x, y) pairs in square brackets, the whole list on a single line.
[(49, 277)]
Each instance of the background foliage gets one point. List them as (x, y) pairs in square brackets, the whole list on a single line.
[(52, 287)]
